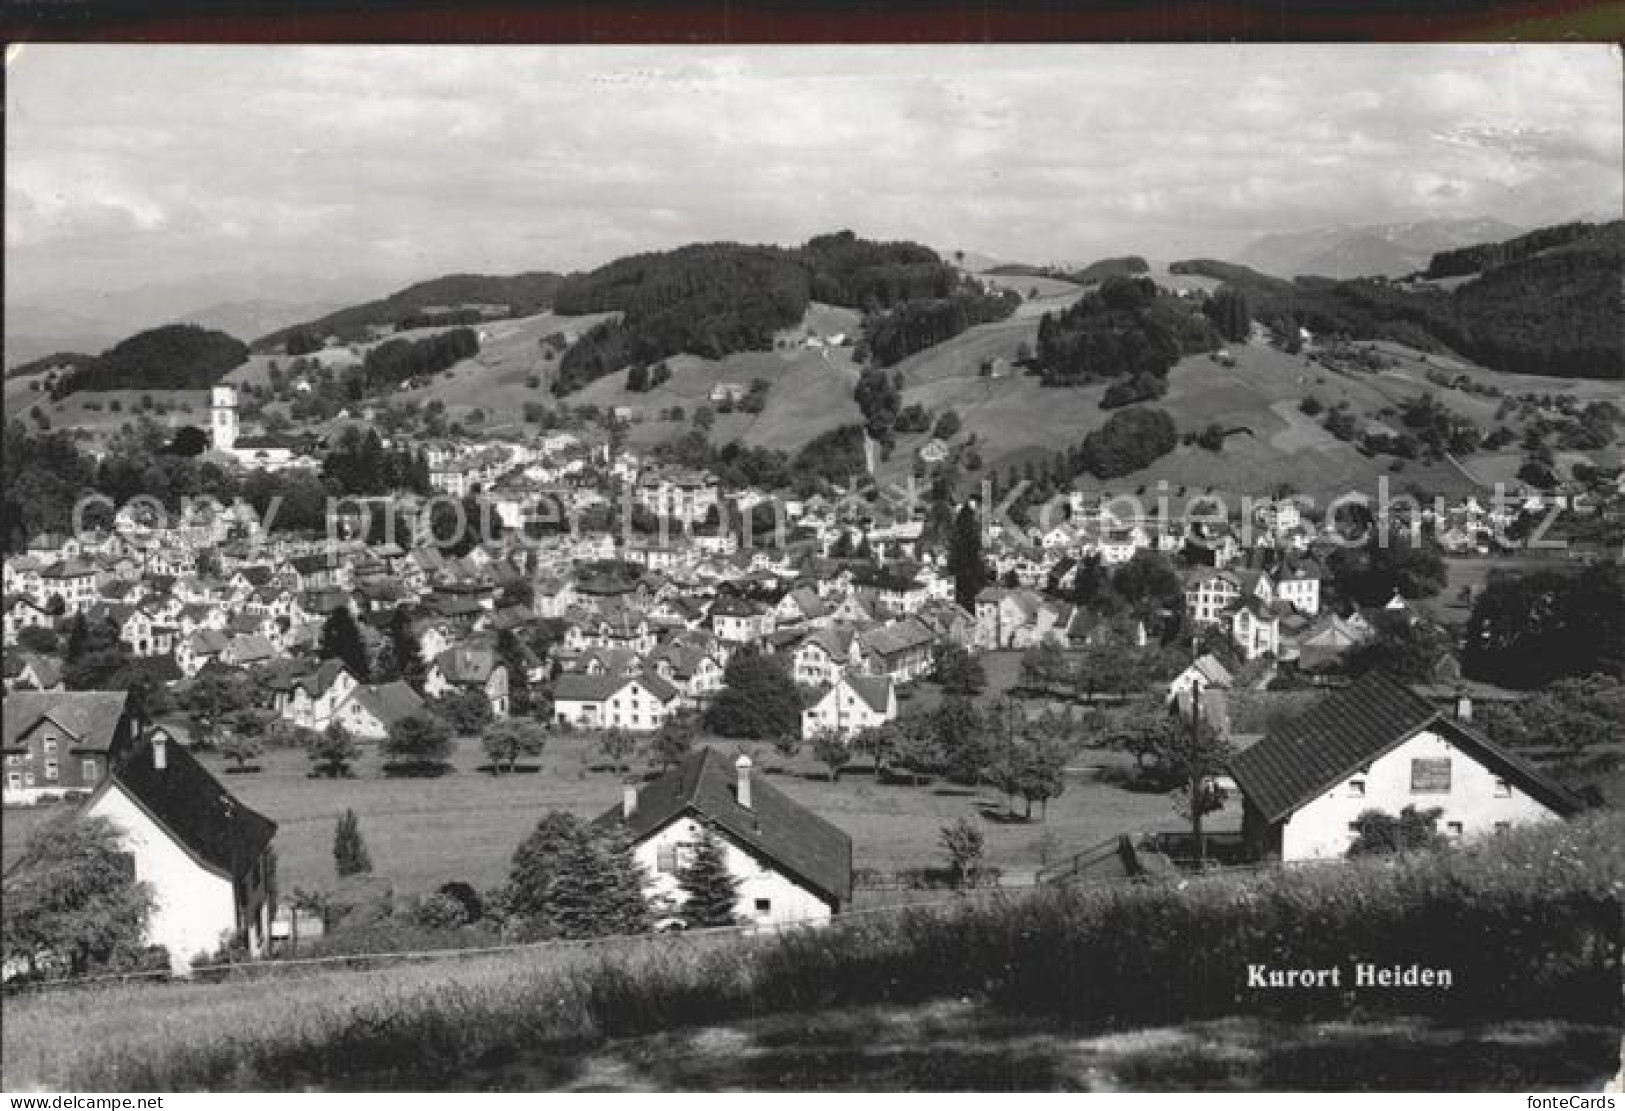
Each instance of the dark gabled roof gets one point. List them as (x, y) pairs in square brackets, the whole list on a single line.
[(90, 717), (776, 827), (1352, 727), (202, 816)]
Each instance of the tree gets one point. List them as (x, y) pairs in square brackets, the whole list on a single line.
[(37, 638), (466, 712), (405, 650), (1192, 755), (965, 563), (710, 890), (1405, 649), (758, 699), (963, 843), (957, 670), (1148, 582), (72, 899), (341, 640), (241, 747), (672, 743), (830, 750), (959, 735), (506, 741), (350, 857), (1569, 716), (1044, 666), (1527, 630), (332, 750), (213, 698), (190, 440), (915, 750), (1230, 313), (570, 880), (419, 739), (1379, 833), (618, 745)]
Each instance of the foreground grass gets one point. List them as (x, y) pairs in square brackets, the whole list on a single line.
[(961, 1046), (1529, 924)]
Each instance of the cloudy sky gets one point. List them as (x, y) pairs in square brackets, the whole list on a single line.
[(133, 165)]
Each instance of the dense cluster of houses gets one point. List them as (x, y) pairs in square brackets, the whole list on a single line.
[(641, 627)]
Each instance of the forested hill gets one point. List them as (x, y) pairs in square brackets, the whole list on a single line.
[(174, 357), (1548, 303), (523, 294), (714, 299)]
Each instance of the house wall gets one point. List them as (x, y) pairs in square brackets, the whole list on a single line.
[(787, 900), (1320, 829), (195, 909)]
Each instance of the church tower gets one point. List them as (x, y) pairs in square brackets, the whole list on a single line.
[(223, 417)]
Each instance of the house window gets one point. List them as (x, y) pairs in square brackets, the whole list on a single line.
[(1503, 789), (764, 906), (1502, 827), (1430, 777), (1453, 829), (1357, 788), (14, 781), (87, 771), (666, 859)]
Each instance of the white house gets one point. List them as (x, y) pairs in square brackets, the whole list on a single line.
[(853, 704), (792, 866), (1377, 745), (639, 703), (1206, 670), (203, 852)]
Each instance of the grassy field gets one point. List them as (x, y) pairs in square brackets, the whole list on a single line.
[(1013, 416), (1123, 986), (464, 826)]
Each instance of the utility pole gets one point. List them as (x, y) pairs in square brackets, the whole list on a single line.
[(1197, 776)]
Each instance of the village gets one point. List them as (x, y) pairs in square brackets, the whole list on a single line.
[(693, 662)]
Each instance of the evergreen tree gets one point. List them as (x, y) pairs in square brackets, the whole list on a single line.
[(331, 750), (965, 562), (405, 650), (341, 640), (711, 892), (350, 857), (758, 700), (570, 881)]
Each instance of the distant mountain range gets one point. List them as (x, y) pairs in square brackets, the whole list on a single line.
[(1372, 250)]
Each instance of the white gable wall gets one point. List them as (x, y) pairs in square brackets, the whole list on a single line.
[(195, 909), (1320, 828), (787, 900)]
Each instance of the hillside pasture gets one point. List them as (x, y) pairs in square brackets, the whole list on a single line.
[(1016, 418)]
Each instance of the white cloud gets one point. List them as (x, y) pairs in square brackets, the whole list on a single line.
[(399, 162)]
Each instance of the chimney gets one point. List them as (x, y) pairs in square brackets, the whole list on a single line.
[(742, 765), (160, 753), (629, 800), (1464, 706)]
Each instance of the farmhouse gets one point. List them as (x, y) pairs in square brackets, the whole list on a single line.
[(639, 703), (853, 704), (59, 741), (203, 852), (792, 865), (1380, 746)]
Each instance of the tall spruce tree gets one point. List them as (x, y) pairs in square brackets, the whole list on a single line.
[(350, 856), (711, 891), (965, 562), (341, 640)]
